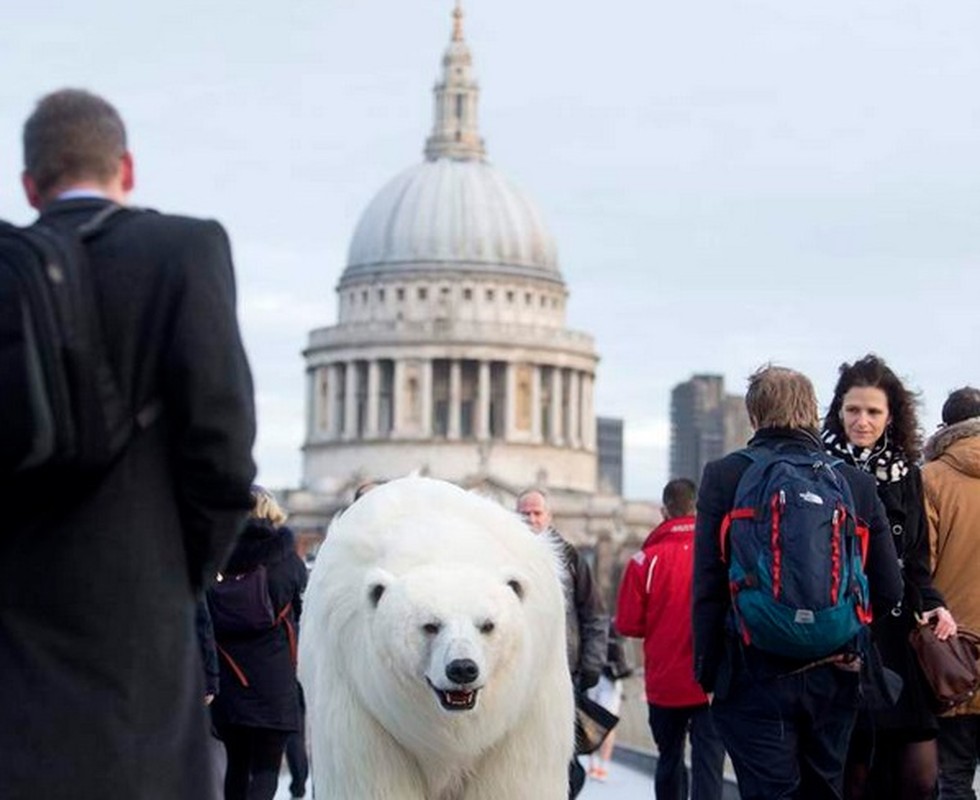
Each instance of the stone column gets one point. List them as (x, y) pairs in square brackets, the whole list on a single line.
[(588, 412), (333, 414), (557, 423), (483, 402), (426, 373), (373, 398), (536, 403), (398, 398), (510, 401), (313, 428), (455, 399), (574, 409), (350, 401)]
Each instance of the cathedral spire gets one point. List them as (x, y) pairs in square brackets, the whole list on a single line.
[(454, 129)]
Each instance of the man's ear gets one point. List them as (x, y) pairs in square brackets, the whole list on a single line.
[(128, 172), (30, 190)]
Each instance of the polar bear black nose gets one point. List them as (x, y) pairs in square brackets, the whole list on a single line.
[(462, 670)]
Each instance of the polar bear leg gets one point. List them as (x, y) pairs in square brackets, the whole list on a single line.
[(352, 756)]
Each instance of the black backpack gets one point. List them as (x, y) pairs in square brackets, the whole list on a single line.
[(60, 405)]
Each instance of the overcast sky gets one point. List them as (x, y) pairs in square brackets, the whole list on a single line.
[(728, 182)]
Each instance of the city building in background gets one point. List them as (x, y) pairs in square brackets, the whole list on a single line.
[(451, 356), (705, 423), (609, 435)]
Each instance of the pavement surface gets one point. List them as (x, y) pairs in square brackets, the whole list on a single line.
[(623, 782)]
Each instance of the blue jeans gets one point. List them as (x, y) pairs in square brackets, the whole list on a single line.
[(788, 736), (670, 727), (959, 753)]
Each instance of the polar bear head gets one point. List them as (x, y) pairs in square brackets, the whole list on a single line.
[(455, 632), (439, 612)]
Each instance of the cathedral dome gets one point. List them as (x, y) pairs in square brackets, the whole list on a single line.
[(454, 210), (450, 212)]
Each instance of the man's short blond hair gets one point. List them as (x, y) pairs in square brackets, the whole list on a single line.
[(779, 397)]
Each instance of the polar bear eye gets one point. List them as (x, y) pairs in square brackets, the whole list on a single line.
[(517, 588), (431, 628), (487, 627)]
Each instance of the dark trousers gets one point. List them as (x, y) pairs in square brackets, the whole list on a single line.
[(296, 758), (254, 758), (576, 778), (670, 728), (787, 736), (959, 753)]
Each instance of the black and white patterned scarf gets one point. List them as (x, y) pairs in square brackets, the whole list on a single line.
[(887, 464)]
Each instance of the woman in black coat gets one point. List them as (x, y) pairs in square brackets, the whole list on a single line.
[(255, 607), (871, 423)]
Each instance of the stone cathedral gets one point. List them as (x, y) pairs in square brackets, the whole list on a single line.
[(450, 355)]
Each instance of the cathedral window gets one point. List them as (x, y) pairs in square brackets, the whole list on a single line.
[(399, 294), (423, 293), (467, 294)]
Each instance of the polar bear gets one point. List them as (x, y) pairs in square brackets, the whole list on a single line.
[(432, 652)]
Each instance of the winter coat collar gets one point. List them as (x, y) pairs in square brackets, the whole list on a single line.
[(677, 526), (940, 441)]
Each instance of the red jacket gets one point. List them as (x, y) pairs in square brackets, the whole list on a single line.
[(655, 605)]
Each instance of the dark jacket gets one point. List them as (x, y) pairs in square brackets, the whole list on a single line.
[(713, 642), (101, 688), (263, 659), (586, 622), (903, 502), (209, 652)]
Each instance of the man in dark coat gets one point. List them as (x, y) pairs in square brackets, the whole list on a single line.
[(785, 722), (586, 621), (101, 683)]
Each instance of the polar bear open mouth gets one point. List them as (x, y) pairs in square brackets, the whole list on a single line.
[(456, 699)]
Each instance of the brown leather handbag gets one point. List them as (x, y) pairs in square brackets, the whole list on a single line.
[(950, 666)]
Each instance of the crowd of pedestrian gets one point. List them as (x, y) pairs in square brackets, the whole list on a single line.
[(847, 521)]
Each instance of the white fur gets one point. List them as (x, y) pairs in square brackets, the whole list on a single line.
[(436, 555)]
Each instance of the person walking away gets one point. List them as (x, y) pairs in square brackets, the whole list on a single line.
[(785, 719), (654, 604), (872, 424), (255, 606), (586, 622), (101, 684), (951, 481)]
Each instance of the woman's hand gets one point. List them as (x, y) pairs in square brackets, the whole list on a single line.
[(945, 624)]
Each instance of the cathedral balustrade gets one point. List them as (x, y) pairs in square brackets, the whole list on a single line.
[(405, 332)]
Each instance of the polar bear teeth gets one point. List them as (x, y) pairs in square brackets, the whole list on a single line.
[(457, 700)]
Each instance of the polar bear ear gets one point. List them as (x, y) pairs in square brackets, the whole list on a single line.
[(517, 584), (377, 582)]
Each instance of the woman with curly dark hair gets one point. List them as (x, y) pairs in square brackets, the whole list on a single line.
[(872, 424)]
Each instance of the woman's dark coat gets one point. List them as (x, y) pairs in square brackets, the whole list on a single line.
[(265, 658), (906, 518)]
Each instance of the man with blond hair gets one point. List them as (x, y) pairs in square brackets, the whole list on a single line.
[(100, 676), (785, 721)]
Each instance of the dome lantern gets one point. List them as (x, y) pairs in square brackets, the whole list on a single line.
[(454, 128)]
